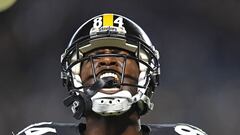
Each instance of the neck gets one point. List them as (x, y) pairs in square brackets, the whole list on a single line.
[(126, 124)]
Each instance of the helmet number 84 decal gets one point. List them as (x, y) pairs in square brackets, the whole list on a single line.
[(107, 20), (184, 129)]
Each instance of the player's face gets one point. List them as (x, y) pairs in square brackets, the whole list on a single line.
[(111, 67)]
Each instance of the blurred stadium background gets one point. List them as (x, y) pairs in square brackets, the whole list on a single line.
[(199, 43)]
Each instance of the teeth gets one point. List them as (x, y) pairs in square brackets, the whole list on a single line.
[(110, 89), (108, 75)]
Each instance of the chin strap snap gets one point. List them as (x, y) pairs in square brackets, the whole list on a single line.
[(80, 102)]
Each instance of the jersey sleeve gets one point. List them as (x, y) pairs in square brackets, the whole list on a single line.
[(186, 129), (175, 129), (51, 128), (43, 128)]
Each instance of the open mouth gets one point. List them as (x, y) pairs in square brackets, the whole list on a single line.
[(115, 75), (113, 84), (109, 74)]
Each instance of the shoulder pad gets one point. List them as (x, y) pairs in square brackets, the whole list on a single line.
[(175, 129), (38, 129), (50, 128), (185, 129)]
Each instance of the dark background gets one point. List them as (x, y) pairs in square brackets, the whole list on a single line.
[(199, 42)]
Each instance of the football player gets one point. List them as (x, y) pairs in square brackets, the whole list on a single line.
[(111, 70)]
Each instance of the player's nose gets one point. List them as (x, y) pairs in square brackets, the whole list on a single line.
[(107, 61)]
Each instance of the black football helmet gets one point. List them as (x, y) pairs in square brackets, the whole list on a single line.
[(114, 31)]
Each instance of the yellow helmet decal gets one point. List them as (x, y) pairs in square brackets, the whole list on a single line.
[(107, 19)]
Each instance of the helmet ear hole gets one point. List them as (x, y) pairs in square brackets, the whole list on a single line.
[(66, 80), (69, 83), (150, 90)]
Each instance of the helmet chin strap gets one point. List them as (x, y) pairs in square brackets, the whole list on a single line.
[(111, 104), (120, 102), (104, 104)]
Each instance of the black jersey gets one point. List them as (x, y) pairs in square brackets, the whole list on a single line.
[(50, 128)]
